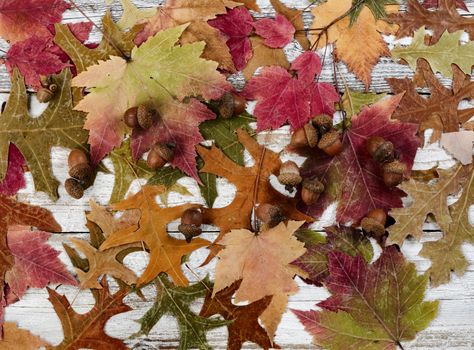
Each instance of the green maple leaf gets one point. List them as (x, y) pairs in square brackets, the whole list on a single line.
[(176, 301), (441, 55), (353, 101), (58, 125), (376, 6)]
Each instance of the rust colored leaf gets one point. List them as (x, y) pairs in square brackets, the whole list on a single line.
[(16, 338)]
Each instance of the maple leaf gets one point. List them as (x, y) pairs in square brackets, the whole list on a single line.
[(14, 179), (446, 254), (264, 56), (440, 110), (277, 33), (36, 263), (427, 199), (154, 76), (176, 301), (87, 330), (339, 238), (459, 144), (353, 174), (372, 306), (58, 125), (283, 98), (132, 15), (244, 326), (353, 101), (445, 18), (248, 180), (166, 252), (435, 3), (20, 20), (16, 338), (377, 7), (296, 18), (440, 55), (346, 36)]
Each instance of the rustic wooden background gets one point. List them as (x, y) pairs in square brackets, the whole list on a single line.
[(453, 328)]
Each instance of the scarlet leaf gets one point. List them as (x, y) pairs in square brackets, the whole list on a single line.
[(283, 98), (353, 174), (277, 32), (14, 179)]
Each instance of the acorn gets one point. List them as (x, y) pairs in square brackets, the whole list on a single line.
[(240, 104), (393, 173), (44, 95), (191, 222), (231, 104), (45, 80), (374, 222), (307, 136), (145, 117), (74, 188), (159, 155), (331, 143), (76, 157), (289, 174), (130, 117), (311, 190), (79, 168), (53, 88), (381, 151), (323, 123), (271, 215)]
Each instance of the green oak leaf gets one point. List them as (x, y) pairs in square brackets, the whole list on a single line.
[(58, 126), (176, 301), (441, 55), (376, 6), (353, 101)]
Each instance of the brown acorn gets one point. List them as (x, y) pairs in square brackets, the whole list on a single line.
[(53, 88), (130, 117), (44, 95), (191, 222), (271, 215), (374, 222), (79, 168), (231, 104), (311, 190), (159, 155), (74, 188), (307, 136), (323, 123), (331, 143), (393, 173), (240, 104), (76, 157), (145, 117), (381, 151), (289, 174), (45, 80)]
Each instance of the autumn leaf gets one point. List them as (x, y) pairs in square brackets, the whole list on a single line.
[(441, 55), (459, 144), (58, 125), (166, 252), (154, 76), (346, 37), (264, 56), (445, 18), (87, 330), (446, 254), (36, 264), (377, 7), (176, 301), (438, 111), (435, 3), (22, 19), (14, 179), (16, 338), (245, 325), (283, 98), (353, 101), (372, 306), (339, 238), (133, 15), (296, 18), (277, 33), (353, 174)]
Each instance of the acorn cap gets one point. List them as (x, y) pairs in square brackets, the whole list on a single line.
[(165, 152), (313, 185), (384, 153), (372, 226), (189, 231), (289, 174), (74, 188), (311, 135), (323, 122), (226, 106), (144, 117), (395, 167), (82, 173), (328, 139)]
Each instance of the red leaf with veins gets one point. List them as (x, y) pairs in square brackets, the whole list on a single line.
[(353, 174), (21, 19), (282, 98), (237, 25), (14, 179), (277, 32), (429, 4), (36, 263)]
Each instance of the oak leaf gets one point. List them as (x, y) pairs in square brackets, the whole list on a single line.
[(435, 3), (353, 174), (16, 338), (176, 301), (438, 111), (459, 144), (353, 101), (14, 179), (296, 18), (87, 330), (277, 33), (377, 7), (245, 324), (345, 36), (339, 238), (166, 252), (58, 125), (372, 306)]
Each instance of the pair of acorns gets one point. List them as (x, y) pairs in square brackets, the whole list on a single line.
[(47, 90), (383, 152), (81, 174), (311, 188), (374, 223), (319, 132), (231, 104)]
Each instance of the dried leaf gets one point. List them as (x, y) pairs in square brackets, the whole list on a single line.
[(435, 3), (353, 101), (296, 18), (264, 56), (459, 144), (14, 179), (15, 338), (277, 32), (377, 7), (132, 15)]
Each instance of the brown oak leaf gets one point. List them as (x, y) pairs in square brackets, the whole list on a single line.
[(16, 338)]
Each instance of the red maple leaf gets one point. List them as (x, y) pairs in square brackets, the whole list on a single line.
[(36, 263), (237, 25), (21, 19), (14, 179), (281, 97), (429, 4), (353, 178), (277, 32)]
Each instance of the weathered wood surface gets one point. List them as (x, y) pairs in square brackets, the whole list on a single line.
[(453, 329)]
